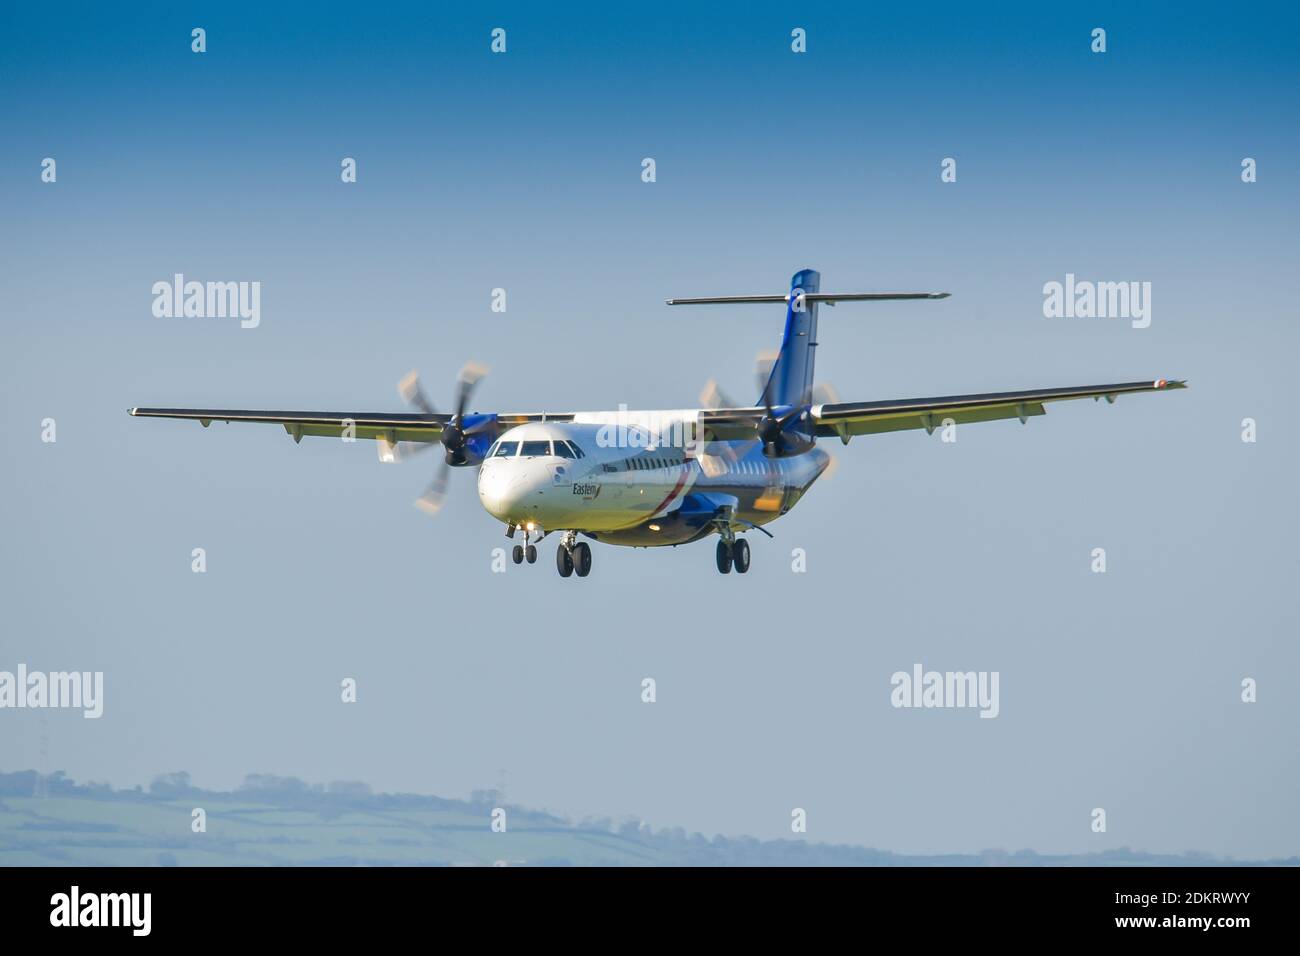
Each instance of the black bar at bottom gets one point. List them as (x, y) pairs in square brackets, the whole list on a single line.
[(495, 905)]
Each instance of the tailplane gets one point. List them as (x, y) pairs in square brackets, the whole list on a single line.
[(791, 379)]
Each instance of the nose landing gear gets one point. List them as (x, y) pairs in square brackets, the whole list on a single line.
[(526, 551)]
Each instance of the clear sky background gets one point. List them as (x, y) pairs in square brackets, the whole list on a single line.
[(522, 171)]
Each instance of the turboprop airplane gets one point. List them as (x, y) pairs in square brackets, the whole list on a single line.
[(652, 478)]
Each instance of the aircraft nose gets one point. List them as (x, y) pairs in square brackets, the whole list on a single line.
[(504, 490)]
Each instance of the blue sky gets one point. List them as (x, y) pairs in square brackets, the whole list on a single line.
[(522, 171)]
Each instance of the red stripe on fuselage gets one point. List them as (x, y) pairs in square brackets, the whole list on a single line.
[(677, 490)]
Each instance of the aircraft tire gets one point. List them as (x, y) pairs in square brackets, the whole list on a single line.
[(530, 553), (724, 557), (517, 555), (563, 561), (740, 555), (582, 558)]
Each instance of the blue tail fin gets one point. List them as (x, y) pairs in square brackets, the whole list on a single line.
[(791, 381)]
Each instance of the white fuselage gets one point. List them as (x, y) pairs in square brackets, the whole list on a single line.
[(627, 484)]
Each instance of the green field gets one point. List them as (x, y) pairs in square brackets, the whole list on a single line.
[(273, 821), (155, 831)]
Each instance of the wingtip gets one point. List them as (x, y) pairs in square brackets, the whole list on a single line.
[(131, 411)]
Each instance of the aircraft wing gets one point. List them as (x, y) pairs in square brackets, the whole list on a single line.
[(389, 427), (846, 419)]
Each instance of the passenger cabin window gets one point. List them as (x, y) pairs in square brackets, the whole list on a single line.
[(533, 449), (506, 449)]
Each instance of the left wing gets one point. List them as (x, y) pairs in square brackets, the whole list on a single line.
[(847, 419)]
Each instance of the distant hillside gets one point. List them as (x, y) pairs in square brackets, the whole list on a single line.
[(282, 821)]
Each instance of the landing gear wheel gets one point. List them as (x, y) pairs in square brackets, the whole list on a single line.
[(531, 553), (563, 561), (724, 557), (517, 555), (582, 558), (740, 555)]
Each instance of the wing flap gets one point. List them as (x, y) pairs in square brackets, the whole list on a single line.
[(931, 421)]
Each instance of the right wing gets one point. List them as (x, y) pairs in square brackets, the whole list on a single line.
[(386, 427), (389, 427)]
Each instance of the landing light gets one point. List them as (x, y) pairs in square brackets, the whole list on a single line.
[(530, 526), (654, 527)]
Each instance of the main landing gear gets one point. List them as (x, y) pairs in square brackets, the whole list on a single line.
[(733, 553), (571, 557)]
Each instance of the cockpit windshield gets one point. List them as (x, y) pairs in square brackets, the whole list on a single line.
[(536, 449)]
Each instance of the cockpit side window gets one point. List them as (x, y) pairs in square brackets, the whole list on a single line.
[(562, 449)]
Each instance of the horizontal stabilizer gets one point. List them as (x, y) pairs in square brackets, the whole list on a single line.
[(830, 298)]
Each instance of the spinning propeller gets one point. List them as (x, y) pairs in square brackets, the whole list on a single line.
[(455, 433)]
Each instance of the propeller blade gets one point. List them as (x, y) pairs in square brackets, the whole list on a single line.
[(824, 393), (397, 452), (473, 372), (412, 393), (714, 465), (470, 376), (712, 397), (435, 495), (790, 416), (409, 449), (829, 471), (763, 364)]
